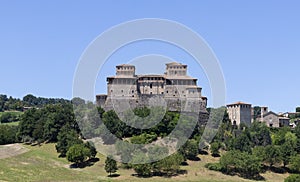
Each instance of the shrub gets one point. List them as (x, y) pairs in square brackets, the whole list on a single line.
[(213, 166), (293, 178)]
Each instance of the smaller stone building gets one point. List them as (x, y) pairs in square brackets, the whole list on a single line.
[(239, 112), (274, 120)]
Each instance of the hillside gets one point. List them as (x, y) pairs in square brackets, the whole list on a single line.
[(41, 163)]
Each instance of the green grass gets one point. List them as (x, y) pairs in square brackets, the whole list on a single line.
[(12, 123), (17, 113), (42, 164)]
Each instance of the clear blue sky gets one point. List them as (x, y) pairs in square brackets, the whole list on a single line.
[(256, 42)]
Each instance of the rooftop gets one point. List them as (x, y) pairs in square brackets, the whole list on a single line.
[(238, 103)]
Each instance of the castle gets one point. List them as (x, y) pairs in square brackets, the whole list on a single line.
[(178, 90)]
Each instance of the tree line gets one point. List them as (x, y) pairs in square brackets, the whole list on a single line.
[(16, 104)]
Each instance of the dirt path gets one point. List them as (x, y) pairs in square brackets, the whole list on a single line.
[(11, 150)]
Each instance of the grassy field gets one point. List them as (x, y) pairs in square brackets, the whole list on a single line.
[(12, 123), (17, 113), (41, 163)]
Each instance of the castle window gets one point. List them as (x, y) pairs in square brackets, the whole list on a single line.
[(150, 85), (162, 92), (162, 85), (132, 91), (167, 91), (111, 90), (150, 93), (122, 91), (175, 92)]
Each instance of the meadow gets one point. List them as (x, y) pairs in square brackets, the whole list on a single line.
[(41, 163)]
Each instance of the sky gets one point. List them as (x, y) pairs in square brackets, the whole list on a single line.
[(256, 42)]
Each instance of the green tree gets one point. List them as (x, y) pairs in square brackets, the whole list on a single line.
[(241, 142), (171, 164), (214, 149), (297, 133), (110, 165), (189, 150), (295, 163), (78, 153), (293, 178), (260, 134), (91, 147), (259, 152), (28, 124), (141, 164), (288, 147), (245, 164), (65, 139), (278, 137), (8, 134), (273, 155)]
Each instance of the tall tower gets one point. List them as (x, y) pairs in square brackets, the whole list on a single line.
[(239, 113), (176, 69)]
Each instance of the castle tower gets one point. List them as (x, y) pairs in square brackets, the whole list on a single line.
[(125, 70), (239, 113), (176, 69)]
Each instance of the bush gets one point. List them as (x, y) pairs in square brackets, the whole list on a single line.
[(214, 149), (213, 166), (293, 178), (8, 134)]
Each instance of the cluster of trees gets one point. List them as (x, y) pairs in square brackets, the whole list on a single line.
[(56, 123), (10, 103), (8, 117), (44, 124), (250, 149)]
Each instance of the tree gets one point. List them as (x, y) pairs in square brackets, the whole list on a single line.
[(110, 165), (297, 133), (278, 138), (260, 134), (293, 178), (243, 163), (65, 139), (78, 153), (295, 163), (273, 155), (171, 164), (260, 152), (8, 134), (288, 147), (241, 142), (92, 149), (214, 149), (189, 150), (141, 164)]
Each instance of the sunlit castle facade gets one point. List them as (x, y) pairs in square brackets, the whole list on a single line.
[(177, 90)]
